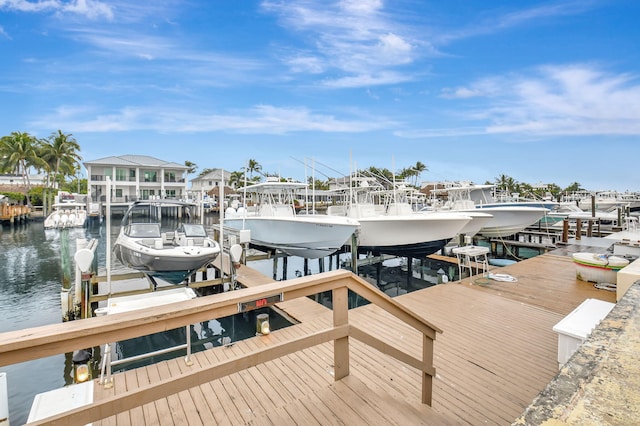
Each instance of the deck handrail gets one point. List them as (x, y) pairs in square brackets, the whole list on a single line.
[(39, 342)]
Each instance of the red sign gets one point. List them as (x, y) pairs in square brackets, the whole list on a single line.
[(260, 303)]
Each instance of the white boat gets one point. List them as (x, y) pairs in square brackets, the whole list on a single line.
[(170, 256), (482, 196), (478, 220), (391, 226), (66, 215), (601, 200), (598, 268), (573, 212), (508, 219), (275, 224)]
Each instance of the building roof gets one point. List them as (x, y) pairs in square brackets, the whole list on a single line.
[(135, 161), (214, 174)]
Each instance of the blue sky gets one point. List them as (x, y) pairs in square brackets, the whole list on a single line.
[(542, 91)]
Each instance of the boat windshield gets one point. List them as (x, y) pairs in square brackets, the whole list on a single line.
[(194, 230), (144, 230)]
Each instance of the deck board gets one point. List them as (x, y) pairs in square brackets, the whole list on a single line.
[(497, 352)]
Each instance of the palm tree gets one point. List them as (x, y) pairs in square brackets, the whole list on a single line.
[(205, 171), (61, 153), (253, 166), (419, 167), (191, 168), (506, 184), (18, 152), (236, 179)]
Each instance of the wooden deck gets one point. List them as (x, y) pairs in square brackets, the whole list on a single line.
[(497, 352)]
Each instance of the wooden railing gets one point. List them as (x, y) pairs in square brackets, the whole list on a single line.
[(24, 345)]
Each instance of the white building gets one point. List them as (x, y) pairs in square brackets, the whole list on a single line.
[(18, 180), (135, 177), (209, 181)]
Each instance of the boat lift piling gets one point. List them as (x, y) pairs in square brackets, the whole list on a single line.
[(86, 266)]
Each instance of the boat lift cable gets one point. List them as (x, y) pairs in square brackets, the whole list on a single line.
[(506, 247)]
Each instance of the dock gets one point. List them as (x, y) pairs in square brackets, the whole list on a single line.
[(496, 353), (13, 213)]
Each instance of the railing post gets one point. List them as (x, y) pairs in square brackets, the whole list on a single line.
[(427, 379), (340, 346)]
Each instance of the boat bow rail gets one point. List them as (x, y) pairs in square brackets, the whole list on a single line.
[(24, 345)]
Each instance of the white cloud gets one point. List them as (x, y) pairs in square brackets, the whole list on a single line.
[(500, 21), (361, 6), (306, 63), (353, 37), (92, 9), (260, 119), (571, 100), (367, 80), (482, 87), (4, 34)]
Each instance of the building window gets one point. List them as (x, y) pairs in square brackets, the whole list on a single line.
[(150, 176), (118, 192), (169, 176), (148, 193), (132, 175), (121, 175), (170, 193)]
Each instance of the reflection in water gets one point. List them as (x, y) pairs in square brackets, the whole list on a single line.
[(30, 283)]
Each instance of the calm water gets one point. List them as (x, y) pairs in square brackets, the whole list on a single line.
[(30, 283)]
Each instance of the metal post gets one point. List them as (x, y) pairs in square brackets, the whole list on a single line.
[(188, 360), (108, 249)]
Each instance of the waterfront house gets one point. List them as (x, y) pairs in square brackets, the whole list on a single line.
[(135, 177), (210, 180), (13, 181)]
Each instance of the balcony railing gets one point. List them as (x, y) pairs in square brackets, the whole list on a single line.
[(103, 178)]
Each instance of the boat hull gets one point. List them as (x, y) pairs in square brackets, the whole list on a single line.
[(308, 236), (169, 264), (508, 220), (478, 221), (416, 250), (598, 268), (415, 235)]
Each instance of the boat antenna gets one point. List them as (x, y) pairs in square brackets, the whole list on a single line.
[(108, 225), (306, 188), (338, 172), (313, 182), (221, 213)]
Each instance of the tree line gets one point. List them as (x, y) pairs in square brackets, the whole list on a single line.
[(509, 185), (58, 156), (253, 173)]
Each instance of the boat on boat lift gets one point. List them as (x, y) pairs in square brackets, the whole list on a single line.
[(275, 224), (171, 256)]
